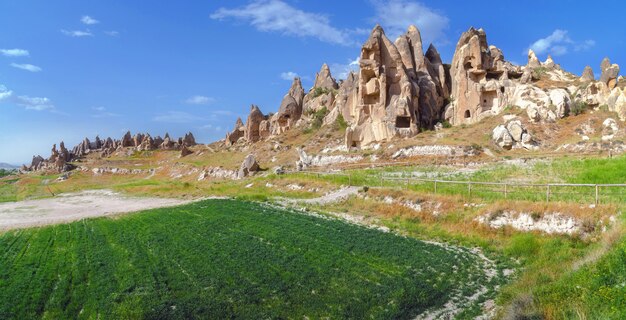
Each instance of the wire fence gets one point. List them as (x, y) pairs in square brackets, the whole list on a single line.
[(548, 192)]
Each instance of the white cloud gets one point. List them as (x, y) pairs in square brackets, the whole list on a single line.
[(289, 75), (546, 44), (585, 45), (395, 16), (112, 33), (559, 43), (14, 52), (89, 20), (101, 112), (341, 70), (77, 33), (35, 103), (278, 16), (4, 92), (176, 117), (26, 66), (199, 100)]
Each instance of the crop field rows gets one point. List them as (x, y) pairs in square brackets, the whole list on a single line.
[(228, 258)]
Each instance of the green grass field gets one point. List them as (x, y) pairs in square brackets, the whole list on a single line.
[(228, 259)]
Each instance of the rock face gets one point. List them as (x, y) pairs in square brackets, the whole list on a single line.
[(388, 99), (248, 166), (587, 75), (480, 79), (610, 72)]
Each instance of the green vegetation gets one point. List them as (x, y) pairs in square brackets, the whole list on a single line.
[(578, 107), (5, 172), (225, 259), (596, 290), (539, 72), (318, 117), (320, 91), (341, 122)]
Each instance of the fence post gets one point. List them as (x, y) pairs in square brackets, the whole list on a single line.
[(547, 193), (505, 191), (435, 186), (349, 180), (597, 194), (469, 189)]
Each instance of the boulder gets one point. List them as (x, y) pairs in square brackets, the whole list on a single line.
[(515, 129), (535, 101), (502, 137), (609, 129), (248, 166), (560, 99), (184, 151)]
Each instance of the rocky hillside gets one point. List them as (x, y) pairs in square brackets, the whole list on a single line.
[(400, 94), (399, 91)]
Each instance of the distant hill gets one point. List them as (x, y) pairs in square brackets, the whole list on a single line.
[(7, 166)]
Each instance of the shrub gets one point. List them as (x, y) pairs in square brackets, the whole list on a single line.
[(318, 118), (320, 91), (539, 72), (446, 124), (341, 122), (578, 107)]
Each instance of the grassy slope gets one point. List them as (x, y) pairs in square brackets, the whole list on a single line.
[(222, 259)]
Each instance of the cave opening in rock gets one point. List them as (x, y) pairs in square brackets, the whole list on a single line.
[(403, 122), (467, 114)]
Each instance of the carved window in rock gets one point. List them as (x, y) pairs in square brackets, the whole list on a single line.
[(489, 100), (403, 122), (467, 114)]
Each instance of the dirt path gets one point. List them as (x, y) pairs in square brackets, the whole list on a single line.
[(330, 197), (75, 206)]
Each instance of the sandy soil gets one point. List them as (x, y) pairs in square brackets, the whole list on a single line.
[(74, 206)]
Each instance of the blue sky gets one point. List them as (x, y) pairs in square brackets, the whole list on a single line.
[(70, 69)]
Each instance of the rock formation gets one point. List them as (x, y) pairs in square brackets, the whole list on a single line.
[(388, 97), (253, 124), (59, 160), (533, 61), (322, 94), (610, 72), (237, 133), (480, 79), (290, 109), (587, 75)]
